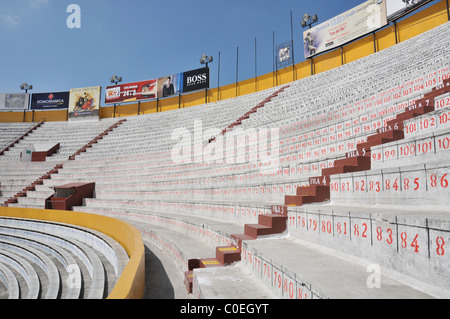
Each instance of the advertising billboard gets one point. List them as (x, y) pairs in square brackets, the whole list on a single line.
[(398, 8), (170, 85), (352, 24), (14, 101), (131, 92), (158, 88), (50, 101), (196, 80), (84, 103)]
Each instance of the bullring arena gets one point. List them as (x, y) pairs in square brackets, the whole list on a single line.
[(332, 183)]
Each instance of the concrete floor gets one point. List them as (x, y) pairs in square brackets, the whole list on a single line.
[(163, 279)]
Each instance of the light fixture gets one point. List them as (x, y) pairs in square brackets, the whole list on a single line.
[(306, 17), (116, 79), (206, 59), (26, 87), (307, 20)]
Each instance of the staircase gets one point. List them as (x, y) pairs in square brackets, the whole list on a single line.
[(40, 181), (253, 110), (360, 159), (270, 224), (17, 140), (96, 139)]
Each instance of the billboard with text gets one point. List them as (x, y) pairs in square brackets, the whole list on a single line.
[(350, 25), (196, 80), (14, 101), (131, 92), (158, 88), (50, 101)]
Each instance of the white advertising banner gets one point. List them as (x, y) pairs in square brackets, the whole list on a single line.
[(397, 8), (14, 101), (352, 24)]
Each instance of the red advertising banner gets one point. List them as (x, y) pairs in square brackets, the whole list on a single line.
[(131, 92)]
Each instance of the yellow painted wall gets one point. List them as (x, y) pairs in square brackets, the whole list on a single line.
[(131, 284), (106, 112), (148, 107), (328, 61), (385, 38), (50, 116), (265, 81), (193, 99), (358, 49), (416, 24), (423, 21), (11, 117), (303, 69), (126, 110), (168, 104)]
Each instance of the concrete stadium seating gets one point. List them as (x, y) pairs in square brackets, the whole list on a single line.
[(351, 202), (47, 260)]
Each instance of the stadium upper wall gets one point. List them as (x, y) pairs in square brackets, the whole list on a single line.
[(403, 30)]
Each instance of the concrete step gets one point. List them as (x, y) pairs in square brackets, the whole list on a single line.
[(319, 272), (347, 165), (232, 282)]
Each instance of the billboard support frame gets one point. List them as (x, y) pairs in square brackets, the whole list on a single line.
[(374, 43), (395, 31), (237, 70), (292, 50), (448, 11)]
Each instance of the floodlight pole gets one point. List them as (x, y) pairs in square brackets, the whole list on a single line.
[(27, 87), (292, 50), (115, 79), (237, 69), (218, 80), (205, 60)]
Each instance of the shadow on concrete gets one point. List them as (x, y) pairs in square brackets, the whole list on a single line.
[(157, 281)]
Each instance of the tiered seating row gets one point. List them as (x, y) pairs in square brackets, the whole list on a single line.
[(412, 169), (52, 260), (31, 186), (71, 136)]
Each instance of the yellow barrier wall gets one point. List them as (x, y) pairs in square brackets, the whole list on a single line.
[(10, 117), (410, 27), (131, 283)]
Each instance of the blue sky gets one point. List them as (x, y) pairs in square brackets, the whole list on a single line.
[(141, 40)]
